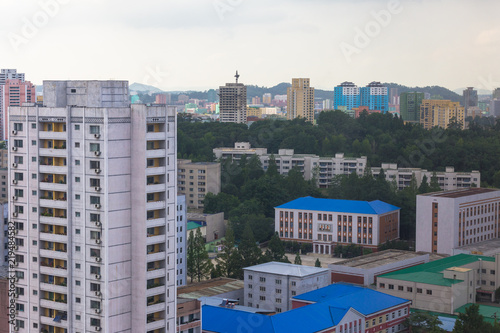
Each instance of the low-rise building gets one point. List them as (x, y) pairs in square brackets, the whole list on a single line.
[(327, 223), (451, 219), (445, 285), (220, 287), (364, 270), (447, 180), (188, 315), (212, 225), (272, 285), (196, 179), (335, 308)]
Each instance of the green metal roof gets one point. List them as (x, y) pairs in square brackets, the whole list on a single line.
[(192, 225), (487, 311), (432, 272)]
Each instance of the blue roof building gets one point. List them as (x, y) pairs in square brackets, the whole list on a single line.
[(329, 222), (339, 307)]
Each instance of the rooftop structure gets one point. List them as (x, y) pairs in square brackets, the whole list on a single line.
[(222, 287)]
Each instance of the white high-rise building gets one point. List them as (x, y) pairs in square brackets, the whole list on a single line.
[(181, 240), (93, 197), (233, 102), (6, 74)]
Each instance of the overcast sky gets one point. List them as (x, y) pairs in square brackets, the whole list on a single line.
[(198, 44)]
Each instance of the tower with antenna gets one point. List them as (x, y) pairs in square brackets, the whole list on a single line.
[(233, 102)]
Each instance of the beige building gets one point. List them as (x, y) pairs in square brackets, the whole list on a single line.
[(441, 113), (233, 102), (196, 179), (300, 100), (445, 285), (4, 158), (451, 219)]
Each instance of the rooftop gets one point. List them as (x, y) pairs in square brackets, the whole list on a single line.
[(488, 312), (341, 206), (380, 259), (461, 192), (432, 272), (487, 248), (286, 269), (208, 288)]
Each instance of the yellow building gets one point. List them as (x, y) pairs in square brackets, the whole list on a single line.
[(254, 112), (300, 100), (441, 113)]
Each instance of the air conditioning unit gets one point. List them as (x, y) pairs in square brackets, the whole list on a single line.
[(97, 153), (14, 214), (97, 170), (98, 293), (16, 247), (16, 295), (97, 311), (16, 328), (97, 276), (97, 223), (98, 241), (98, 259), (14, 197), (14, 148), (97, 328), (97, 206), (16, 231), (97, 135), (14, 165), (17, 313), (97, 188), (14, 132), (16, 263), (14, 181)]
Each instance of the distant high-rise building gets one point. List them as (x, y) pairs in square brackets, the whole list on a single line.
[(470, 98), (495, 107), (181, 218), (93, 203), (6, 74), (375, 96), (427, 95), (327, 104), (441, 113), (300, 100), (14, 92), (394, 96), (256, 100), (347, 94), (266, 98), (233, 102), (496, 94), (162, 98), (410, 106)]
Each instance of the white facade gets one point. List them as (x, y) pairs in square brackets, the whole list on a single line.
[(272, 285), (312, 166), (181, 241), (450, 219), (95, 206), (4, 223), (447, 180), (7, 74)]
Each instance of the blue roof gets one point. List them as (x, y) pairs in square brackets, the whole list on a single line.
[(341, 206), (331, 304)]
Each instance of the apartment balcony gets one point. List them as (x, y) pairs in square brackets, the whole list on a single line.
[(52, 135), (155, 136), (50, 321), (154, 325), (53, 220), (61, 289), (53, 169), (155, 153), (54, 254), (155, 171), (155, 188), (53, 271), (187, 326), (156, 256), (160, 239), (53, 305), (155, 307), (55, 187), (156, 291), (157, 273), (161, 222), (153, 205), (49, 203), (51, 237), (52, 152)]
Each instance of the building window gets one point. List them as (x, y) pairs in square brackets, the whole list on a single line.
[(382, 285), (419, 290), (429, 292)]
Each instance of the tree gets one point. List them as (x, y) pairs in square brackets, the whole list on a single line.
[(434, 186), (276, 249), (424, 186), (423, 322), (298, 260), (199, 265), (228, 260), (248, 249), (317, 263), (470, 321)]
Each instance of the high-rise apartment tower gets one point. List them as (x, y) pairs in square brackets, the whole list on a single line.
[(300, 100)]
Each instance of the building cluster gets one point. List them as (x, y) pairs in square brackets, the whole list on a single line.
[(323, 169)]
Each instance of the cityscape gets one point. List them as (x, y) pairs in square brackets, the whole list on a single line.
[(350, 186)]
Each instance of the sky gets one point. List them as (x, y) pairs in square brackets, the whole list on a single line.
[(199, 44)]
